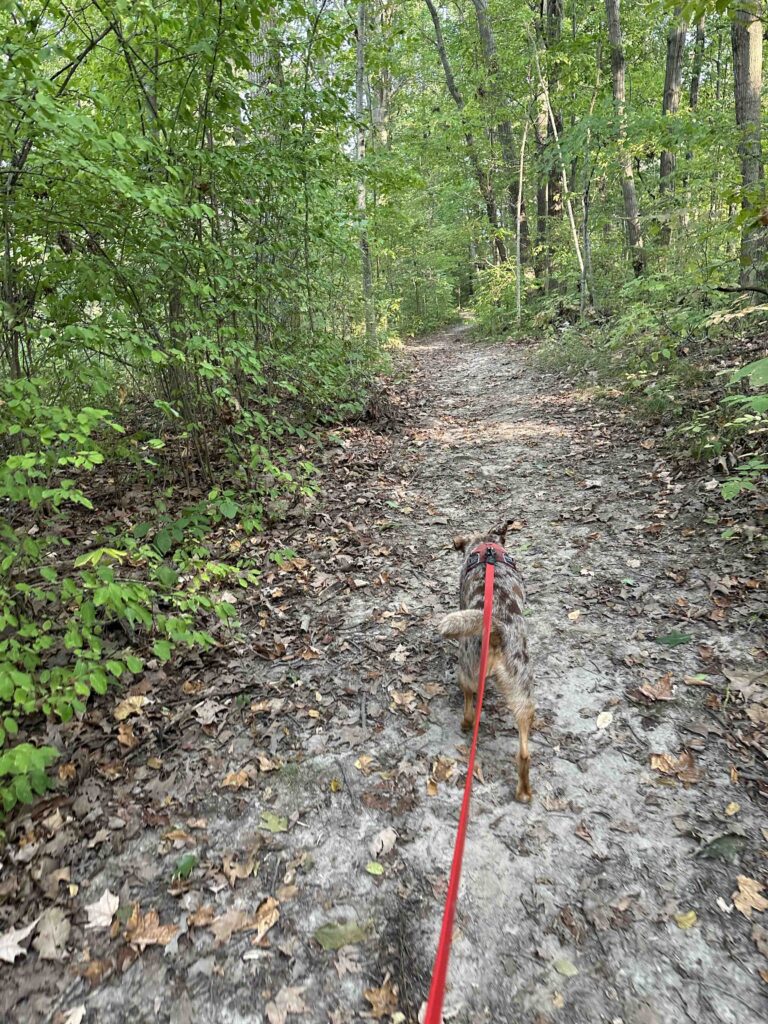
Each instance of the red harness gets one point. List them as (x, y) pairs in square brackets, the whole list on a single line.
[(486, 552)]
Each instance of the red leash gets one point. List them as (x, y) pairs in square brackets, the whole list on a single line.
[(434, 1014)]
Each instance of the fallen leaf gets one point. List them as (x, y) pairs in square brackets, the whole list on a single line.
[(287, 1000), (383, 1000), (337, 934), (125, 736), (101, 912), (566, 968), (75, 1016), (9, 942), (431, 787), (685, 919), (273, 822), (726, 847), (335, 785), (268, 764), (235, 872), (346, 962), (748, 897), (604, 719), (574, 616), (364, 763), (267, 916), (660, 690), (52, 934), (224, 927), (680, 765), (382, 843), (732, 808), (237, 780), (144, 930), (673, 639), (202, 917), (374, 868), (130, 706)]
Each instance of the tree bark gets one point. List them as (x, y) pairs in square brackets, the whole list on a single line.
[(483, 179), (747, 42), (503, 124), (670, 104), (362, 201), (629, 192), (697, 65)]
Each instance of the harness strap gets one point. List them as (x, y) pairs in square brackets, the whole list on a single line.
[(434, 1014)]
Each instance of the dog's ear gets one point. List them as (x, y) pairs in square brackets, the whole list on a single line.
[(460, 543)]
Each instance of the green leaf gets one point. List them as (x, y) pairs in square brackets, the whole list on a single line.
[(273, 822), (185, 867), (374, 868), (162, 649), (228, 508), (337, 934), (167, 576), (673, 639), (133, 663), (566, 968)]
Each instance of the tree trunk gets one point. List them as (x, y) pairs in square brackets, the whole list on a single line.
[(698, 63), (618, 71), (482, 178), (673, 84), (365, 252), (747, 42), (503, 124)]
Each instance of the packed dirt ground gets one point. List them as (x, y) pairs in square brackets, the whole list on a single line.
[(266, 835)]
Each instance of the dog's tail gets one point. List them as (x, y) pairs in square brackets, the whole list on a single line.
[(460, 625)]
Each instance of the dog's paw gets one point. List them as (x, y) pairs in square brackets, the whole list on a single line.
[(523, 796)]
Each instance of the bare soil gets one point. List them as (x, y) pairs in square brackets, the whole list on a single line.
[(325, 745)]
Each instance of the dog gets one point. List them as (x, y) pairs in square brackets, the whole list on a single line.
[(508, 658)]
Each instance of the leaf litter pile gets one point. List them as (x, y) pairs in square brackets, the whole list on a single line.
[(265, 834)]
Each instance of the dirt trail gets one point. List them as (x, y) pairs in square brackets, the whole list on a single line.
[(568, 906)]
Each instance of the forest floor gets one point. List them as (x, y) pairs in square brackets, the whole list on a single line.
[(266, 836)]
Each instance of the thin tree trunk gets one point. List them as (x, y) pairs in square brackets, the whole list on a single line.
[(747, 42), (483, 179), (365, 251), (629, 192), (503, 124), (693, 100), (519, 224), (563, 173), (673, 85)]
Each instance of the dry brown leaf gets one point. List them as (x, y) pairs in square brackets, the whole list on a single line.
[(682, 766), (285, 893), (9, 942), (202, 917), (125, 736), (101, 912), (224, 927), (748, 896), (383, 1000), (234, 872), (346, 962), (444, 769), (268, 764), (287, 1000), (267, 916), (237, 780), (660, 690), (52, 933), (364, 763), (130, 706), (760, 939), (575, 615), (144, 930), (431, 787)]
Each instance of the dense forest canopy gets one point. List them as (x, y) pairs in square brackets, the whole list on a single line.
[(218, 216)]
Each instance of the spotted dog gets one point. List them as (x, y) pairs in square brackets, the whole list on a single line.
[(508, 660)]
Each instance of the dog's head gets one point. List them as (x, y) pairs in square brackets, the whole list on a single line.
[(498, 535)]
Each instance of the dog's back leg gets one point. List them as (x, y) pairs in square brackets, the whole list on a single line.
[(524, 718), (467, 675)]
